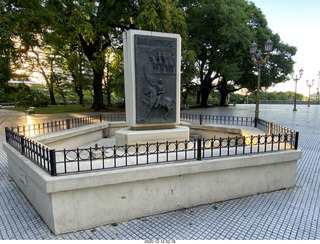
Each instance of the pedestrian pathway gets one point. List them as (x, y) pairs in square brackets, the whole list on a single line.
[(287, 214)]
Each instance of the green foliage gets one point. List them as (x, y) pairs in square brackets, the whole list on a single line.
[(161, 15), (114, 78), (5, 96), (80, 45), (220, 33), (27, 97), (96, 26), (280, 96)]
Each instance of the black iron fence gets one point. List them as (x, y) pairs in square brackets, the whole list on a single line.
[(59, 162), (218, 119), (52, 126), (89, 159), (39, 154), (266, 126)]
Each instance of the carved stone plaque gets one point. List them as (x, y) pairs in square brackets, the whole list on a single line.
[(156, 72)]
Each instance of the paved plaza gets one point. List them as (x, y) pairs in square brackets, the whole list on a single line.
[(288, 214)]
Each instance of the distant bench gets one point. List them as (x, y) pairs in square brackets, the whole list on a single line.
[(30, 110)]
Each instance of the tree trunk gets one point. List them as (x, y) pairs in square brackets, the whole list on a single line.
[(204, 97), (205, 91), (198, 96), (109, 97), (223, 89), (64, 99), (223, 99), (97, 65), (52, 98), (81, 99), (78, 89), (49, 80), (97, 89)]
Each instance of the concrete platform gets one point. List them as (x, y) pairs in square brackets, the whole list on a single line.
[(74, 202), (131, 137)]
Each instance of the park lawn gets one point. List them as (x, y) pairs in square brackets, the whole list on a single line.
[(55, 109)]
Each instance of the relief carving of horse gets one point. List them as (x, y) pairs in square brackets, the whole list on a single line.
[(155, 100)]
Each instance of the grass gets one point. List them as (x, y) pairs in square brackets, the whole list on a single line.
[(55, 109)]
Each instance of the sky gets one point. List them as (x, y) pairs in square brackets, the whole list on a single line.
[(298, 24)]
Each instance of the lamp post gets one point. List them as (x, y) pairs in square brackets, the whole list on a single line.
[(296, 78), (318, 90), (309, 84), (258, 60)]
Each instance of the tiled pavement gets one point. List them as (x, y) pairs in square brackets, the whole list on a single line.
[(287, 214)]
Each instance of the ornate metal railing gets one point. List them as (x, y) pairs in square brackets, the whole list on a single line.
[(266, 126), (39, 154), (218, 119), (52, 126), (89, 159), (58, 162)]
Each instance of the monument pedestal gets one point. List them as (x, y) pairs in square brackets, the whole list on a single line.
[(131, 137), (152, 88)]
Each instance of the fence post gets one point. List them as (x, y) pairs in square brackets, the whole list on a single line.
[(68, 123), (53, 162), (7, 134), (270, 129), (198, 149), (100, 118), (22, 142), (296, 141), (201, 119)]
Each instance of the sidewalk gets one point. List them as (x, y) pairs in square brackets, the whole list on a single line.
[(288, 214)]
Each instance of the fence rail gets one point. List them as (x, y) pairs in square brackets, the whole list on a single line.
[(218, 119), (52, 126), (89, 159), (59, 162), (39, 154), (268, 127)]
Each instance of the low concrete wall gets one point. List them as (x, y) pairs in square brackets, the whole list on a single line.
[(74, 202), (76, 137), (209, 131), (131, 137)]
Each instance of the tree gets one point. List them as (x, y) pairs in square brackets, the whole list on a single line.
[(92, 26), (218, 32), (80, 71), (221, 32), (23, 22), (98, 25), (45, 63), (276, 70), (113, 80), (280, 63), (9, 54)]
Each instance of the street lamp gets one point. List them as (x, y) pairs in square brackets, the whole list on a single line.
[(296, 78), (309, 84), (318, 90), (258, 60)]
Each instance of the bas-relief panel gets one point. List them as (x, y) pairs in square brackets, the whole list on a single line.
[(155, 68)]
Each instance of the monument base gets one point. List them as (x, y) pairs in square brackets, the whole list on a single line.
[(131, 137), (137, 192)]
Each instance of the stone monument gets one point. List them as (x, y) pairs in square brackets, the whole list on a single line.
[(152, 88)]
